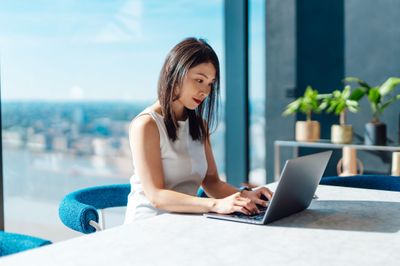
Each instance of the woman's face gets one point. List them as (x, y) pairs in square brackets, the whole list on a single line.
[(196, 85)]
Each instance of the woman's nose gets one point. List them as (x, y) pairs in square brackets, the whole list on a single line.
[(205, 91)]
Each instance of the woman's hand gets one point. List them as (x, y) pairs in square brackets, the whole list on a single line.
[(258, 195), (235, 203)]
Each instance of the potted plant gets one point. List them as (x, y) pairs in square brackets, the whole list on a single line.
[(379, 98), (307, 104), (338, 102)]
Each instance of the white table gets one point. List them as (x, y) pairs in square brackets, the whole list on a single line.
[(345, 226)]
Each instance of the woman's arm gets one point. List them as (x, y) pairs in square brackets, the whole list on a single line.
[(216, 188), (145, 146), (212, 185)]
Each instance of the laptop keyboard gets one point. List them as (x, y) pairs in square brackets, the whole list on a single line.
[(254, 217)]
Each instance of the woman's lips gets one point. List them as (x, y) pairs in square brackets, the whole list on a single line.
[(197, 101)]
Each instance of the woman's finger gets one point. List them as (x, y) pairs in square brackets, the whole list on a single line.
[(261, 202), (249, 203), (266, 192), (236, 195), (244, 199), (252, 203), (250, 206), (241, 209)]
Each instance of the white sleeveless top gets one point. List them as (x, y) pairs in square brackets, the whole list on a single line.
[(184, 166)]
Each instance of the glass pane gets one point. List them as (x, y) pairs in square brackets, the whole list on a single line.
[(257, 91), (73, 74)]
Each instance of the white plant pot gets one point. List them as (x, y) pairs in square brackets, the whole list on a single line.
[(307, 131), (341, 134)]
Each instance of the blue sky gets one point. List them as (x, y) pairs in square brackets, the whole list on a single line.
[(103, 50)]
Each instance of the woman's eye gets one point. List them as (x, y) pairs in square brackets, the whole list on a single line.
[(199, 80)]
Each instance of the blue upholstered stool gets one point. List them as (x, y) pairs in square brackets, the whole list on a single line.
[(79, 209), (380, 182), (11, 243)]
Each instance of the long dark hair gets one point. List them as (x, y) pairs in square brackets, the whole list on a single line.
[(185, 55)]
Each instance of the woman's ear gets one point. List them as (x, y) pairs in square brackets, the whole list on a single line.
[(176, 93)]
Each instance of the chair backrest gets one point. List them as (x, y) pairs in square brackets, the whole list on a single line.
[(201, 193), (79, 209), (380, 182), (11, 243)]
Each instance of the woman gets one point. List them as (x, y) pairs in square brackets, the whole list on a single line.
[(170, 142)]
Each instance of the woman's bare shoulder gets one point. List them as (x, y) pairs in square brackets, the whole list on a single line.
[(144, 124)]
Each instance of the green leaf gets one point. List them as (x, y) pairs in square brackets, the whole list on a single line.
[(357, 94), (391, 100), (340, 101), (292, 107), (353, 106), (389, 85), (310, 102), (351, 103), (332, 107), (340, 107), (361, 82), (353, 109), (324, 96), (323, 105), (346, 92), (374, 96), (309, 93), (336, 94)]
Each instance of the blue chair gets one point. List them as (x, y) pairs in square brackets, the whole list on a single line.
[(11, 243), (80, 210), (380, 182), (201, 193)]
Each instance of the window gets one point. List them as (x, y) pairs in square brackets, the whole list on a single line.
[(74, 74)]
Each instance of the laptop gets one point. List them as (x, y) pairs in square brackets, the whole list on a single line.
[(298, 182)]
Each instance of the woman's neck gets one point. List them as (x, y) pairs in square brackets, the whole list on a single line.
[(177, 108)]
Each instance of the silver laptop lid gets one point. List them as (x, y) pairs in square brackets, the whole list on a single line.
[(297, 185)]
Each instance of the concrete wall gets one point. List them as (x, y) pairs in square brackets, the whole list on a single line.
[(280, 74), (372, 52), (361, 40)]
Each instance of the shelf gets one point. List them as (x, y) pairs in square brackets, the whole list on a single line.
[(324, 144)]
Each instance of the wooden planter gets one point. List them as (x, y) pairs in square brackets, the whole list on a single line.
[(341, 134), (307, 131)]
